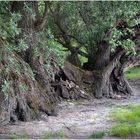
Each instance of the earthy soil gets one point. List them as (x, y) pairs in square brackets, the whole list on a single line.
[(74, 120)]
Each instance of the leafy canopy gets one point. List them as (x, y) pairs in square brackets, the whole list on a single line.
[(88, 23)]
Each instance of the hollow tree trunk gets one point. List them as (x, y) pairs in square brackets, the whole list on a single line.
[(110, 81)]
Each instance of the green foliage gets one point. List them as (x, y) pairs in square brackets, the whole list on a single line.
[(9, 28), (93, 21), (82, 59), (56, 48), (52, 51), (8, 22), (97, 135), (51, 135), (133, 73), (23, 87), (116, 40), (13, 65), (41, 6), (6, 88), (126, 130), (25, 135), (13, 136), (128, 44), (22, 46), (61, 134), (121, 130), (126, 116), (28, 9), (128, 122)]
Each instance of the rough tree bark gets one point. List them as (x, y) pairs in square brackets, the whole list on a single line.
[(106, 71), (42, 92), (110, 80)]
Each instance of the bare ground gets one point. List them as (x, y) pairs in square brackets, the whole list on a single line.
[(75, 119)]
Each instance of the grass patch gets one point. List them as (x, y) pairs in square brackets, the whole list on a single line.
[(13, 137), (24, 136), (97, 135), (50, 135), (120, 130), (133, 73), (128, 122)]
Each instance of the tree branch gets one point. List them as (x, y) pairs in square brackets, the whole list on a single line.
[(59, 41), (108, 69), (37, 13), (85, 22), (77, 40), (40, 24), (66, 36)]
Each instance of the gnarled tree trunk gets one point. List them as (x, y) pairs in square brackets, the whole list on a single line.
[(110, 81), (26, 88)]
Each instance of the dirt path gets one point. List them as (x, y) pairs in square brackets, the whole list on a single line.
[(74, 120)]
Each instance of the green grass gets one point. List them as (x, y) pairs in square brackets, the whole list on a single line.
[(133, 73), (51, 135), (128, 120), (97, 135), (14, 137), (24, 135)]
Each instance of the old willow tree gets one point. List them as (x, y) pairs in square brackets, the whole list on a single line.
[(25, 73), (23, 76), (29, 63), (31, 80), (106, 33)]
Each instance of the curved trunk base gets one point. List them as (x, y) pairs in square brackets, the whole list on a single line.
[(108, 83), (25, 96)]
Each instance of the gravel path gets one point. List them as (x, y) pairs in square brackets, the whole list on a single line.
[(75, 119)]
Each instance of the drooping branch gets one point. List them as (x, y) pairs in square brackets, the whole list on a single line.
[(66, 42), (64, 37), (59, 41), (114, 62), (76, 49), (37, 13), (117, 57), (85, 22), (40, 24), (80, 42), (132, 62)]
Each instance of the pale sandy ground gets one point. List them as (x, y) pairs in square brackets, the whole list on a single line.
[(75, 120)]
